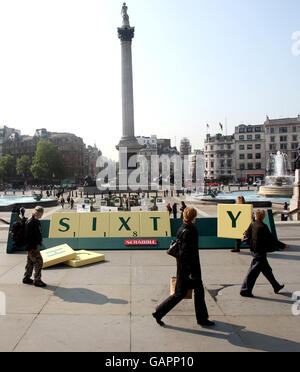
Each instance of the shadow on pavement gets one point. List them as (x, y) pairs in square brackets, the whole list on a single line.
[(248, 339), (83, 296)]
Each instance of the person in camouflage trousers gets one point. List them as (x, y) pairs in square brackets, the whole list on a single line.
[(34, 239)]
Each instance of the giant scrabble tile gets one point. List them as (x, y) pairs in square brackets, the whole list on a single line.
[(126, 224), (64, 225), (85, 258), (94, 225), (57, 255), (155, 224), (234, 220)]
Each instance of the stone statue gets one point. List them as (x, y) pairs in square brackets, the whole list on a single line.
[(125, 15)]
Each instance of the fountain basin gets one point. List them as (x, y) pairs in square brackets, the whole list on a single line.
[(276, 191), (7, 203)]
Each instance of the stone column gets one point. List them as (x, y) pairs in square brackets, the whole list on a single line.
[(295, 202)]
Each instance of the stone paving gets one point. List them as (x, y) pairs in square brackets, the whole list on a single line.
[(108, 306)]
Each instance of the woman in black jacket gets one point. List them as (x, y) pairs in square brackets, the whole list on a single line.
[(262, 242), (188, 273)]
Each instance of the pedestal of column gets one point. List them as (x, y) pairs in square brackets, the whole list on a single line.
[(295, 202)]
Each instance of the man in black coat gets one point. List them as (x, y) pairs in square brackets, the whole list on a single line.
[(33, 237), (262, 242), (188, 273)]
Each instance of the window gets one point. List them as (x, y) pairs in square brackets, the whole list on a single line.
[(242, 130), (242, 138), (257, 147), (257, 129), (272, 130), (228, 147), (283, 138), (294, 155), (242, 166), (250, 166), (283, 146), (242, 156), (258, 166), (257, 156), (257, 136), (295, 138), (229, 164), (249, 147), (283, 130), (294, 129), (249, 137), (212, 155), (295, 146), (272, 147), (242, 147), (272, 139), (249, 129), (249, 156), (212, 164)]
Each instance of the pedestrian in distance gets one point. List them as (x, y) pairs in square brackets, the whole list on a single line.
[(284, 216), (174, 210), (72, 203), (169, 208), (62, 202), (262, 242), (238, 242), (34, 240), (182, 209), (188, 273)]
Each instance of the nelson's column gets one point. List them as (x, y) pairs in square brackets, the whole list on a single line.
[(128, 142)]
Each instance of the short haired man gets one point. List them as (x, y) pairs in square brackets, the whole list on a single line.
[(34, 239), (262, 242)]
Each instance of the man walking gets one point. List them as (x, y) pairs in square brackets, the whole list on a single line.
[(34, 239)]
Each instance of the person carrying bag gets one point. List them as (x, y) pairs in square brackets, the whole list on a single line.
[(188, 273)]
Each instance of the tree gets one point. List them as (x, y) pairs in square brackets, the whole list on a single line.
[(47, 163), (23, 166), (7, 166)]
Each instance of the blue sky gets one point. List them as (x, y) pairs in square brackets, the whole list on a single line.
[(195, 62)]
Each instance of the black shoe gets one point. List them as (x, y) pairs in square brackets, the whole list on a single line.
[(246, 294), (158, 320), (207, 323), (40, 284), (27, 281), (235, 250), (278, 289)]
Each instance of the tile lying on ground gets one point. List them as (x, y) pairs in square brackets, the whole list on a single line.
[(56, 255), (84, 258)]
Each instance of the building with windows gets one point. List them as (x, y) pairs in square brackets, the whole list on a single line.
[(250, 153), (219, 152), (283, 135), (73, 149), (185, 147)]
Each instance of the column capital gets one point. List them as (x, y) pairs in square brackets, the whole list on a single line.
[(126, 33)]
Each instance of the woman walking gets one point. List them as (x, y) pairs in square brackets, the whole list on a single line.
[(188, 273), (262, 242)]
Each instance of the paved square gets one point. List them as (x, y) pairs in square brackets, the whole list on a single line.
[(107, 306)]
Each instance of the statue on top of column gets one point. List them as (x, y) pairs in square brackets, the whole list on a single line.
[(125, 15)]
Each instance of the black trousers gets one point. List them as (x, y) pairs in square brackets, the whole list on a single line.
[(259, 265), (181, 291)]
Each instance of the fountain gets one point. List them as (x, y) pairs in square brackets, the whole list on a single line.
[(279, 184)]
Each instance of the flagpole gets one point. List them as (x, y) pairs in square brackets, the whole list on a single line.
[(226, 126)]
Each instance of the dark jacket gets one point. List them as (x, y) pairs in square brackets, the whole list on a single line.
[(263, 240), (188, 262), (33, 233)]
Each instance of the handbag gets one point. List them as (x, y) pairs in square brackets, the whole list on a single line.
[(173, 281), (175, 246)]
